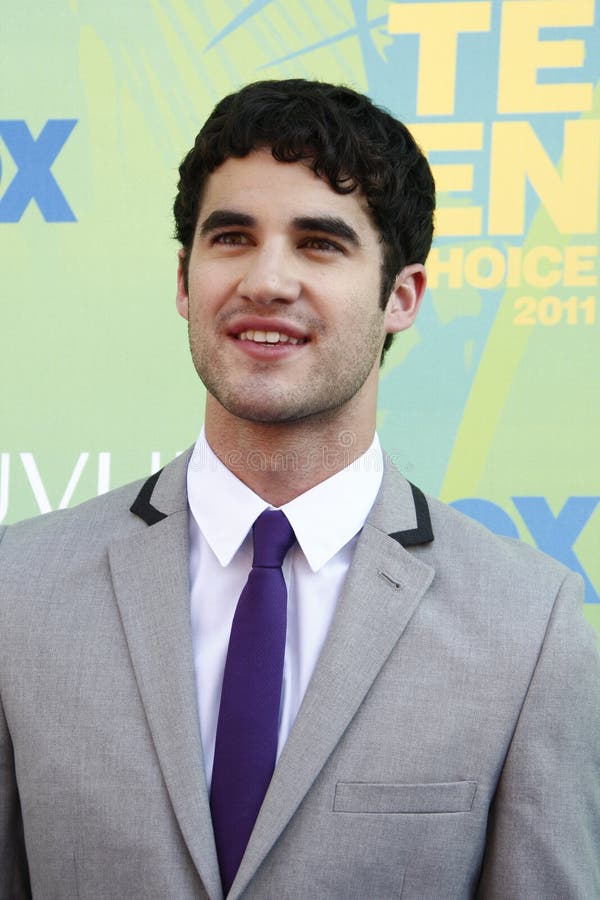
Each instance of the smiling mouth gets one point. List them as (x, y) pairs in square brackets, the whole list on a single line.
[(268, 337)]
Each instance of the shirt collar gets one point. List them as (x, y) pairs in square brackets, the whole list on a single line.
[(324, 518)]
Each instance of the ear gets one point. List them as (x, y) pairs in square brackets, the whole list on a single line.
[(405, 299), (182, 299)]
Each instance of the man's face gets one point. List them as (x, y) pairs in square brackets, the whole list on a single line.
[(282, 294)]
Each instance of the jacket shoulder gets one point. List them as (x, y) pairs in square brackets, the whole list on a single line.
[(109, 511), (479, 554), (88, 528)]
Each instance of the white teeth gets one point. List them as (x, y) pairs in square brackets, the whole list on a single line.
[(267, 337)]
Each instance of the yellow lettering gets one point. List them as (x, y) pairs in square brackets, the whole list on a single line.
[(570, 196), (531, 267), (579, 261), (513, 268), (495, 263), (452, 177), (451, 267), (523, 54), (438, 26)]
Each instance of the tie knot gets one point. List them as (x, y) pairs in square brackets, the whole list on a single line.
[(273, 536)]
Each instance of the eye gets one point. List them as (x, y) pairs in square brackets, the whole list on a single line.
[(322, 244), (231, 238)]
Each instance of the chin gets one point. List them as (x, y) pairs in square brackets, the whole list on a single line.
[(252, 403), (262, 414)]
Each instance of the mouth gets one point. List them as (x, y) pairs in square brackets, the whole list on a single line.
[(273, 338)]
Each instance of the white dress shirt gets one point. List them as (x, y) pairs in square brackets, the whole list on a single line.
[(326, 521)]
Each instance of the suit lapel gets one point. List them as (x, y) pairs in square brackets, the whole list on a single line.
[(150, 577), (385, 583)]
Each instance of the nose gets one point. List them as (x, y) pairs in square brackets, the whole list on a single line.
[(270, 277)]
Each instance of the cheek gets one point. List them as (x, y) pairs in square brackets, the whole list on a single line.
[(362, 313), (209, 287)]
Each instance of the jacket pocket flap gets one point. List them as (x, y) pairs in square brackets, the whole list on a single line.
[(446, 797)]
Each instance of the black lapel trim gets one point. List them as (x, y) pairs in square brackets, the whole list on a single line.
[(423, 533), (142, 507)]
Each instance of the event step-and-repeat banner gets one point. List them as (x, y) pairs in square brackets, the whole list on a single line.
[(491, 401)]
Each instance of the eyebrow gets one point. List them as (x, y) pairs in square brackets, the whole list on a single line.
[(331, 225), (224, 218)]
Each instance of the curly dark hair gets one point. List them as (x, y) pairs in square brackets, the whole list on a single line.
[(346, 140)]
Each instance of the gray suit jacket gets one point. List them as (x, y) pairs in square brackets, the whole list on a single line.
[(447, 747)]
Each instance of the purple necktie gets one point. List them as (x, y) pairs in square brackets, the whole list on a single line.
[(247, 729)]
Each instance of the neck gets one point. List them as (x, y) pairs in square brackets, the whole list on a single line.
[(281, 461)]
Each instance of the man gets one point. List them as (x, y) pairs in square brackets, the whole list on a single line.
[(427, 690)]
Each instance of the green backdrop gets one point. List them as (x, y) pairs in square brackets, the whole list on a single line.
[(491, 402)]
